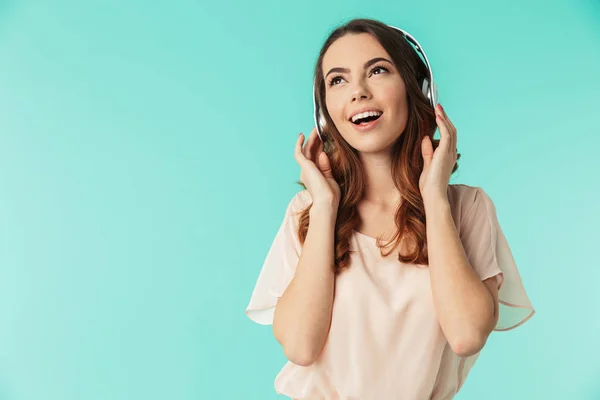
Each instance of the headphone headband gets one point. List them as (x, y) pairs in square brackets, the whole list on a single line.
[(429, 88)]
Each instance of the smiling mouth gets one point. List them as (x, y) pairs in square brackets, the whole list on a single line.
[(366, 120)]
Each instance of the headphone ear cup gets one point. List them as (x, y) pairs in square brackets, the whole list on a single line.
[(425, 88), (430, 93), (321, 120), (321, 125)]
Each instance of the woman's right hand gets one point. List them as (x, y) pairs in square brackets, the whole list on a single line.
[(315, 171)]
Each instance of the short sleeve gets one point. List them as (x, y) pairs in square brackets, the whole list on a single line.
[(280, 264), (490, 255)]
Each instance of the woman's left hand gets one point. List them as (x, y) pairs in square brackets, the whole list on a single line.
[(438, 165)]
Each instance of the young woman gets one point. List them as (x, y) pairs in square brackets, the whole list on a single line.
[(384, 281)]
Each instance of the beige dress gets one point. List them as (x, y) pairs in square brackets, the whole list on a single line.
[(385, 341)]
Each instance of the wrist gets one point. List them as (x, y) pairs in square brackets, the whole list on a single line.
[(434, 194), (436, 204), (324, 209)]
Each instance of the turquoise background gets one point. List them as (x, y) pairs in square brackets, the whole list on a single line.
[(146, 160)]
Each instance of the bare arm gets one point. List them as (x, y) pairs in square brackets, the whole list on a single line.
[(467, 308), (303, 313)]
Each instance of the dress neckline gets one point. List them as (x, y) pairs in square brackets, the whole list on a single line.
[(365, 236)]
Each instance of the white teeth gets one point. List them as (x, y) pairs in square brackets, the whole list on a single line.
[(366, 114)]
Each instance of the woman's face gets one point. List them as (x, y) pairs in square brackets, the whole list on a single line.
[(359, 75)]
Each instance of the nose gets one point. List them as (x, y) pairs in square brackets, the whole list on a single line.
[(360, 92)]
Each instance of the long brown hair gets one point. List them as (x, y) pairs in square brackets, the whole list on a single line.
[(407, 161)]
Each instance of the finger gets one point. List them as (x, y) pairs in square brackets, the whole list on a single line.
[(324, 165), (451, 127), (320, 144), (453, 144), (316, 145), (426, 151), (444, 135), (298, 155), (442, 111), (307, 150)]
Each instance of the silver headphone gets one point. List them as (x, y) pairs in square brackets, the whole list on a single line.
[(428, 86)]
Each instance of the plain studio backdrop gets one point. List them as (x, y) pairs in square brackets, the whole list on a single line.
[(146, 160)]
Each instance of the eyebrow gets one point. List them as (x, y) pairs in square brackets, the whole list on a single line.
[(365, 66)]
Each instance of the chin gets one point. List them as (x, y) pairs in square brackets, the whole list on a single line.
[(373, 141), (373, 148)]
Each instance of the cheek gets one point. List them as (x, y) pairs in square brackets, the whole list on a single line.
[(336, 111), (395, 96), (400, 107)]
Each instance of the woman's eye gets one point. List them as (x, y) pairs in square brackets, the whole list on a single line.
[(334, 80), (381, 68)]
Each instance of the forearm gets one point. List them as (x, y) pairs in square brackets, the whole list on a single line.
[(303, 313), (463, 304)]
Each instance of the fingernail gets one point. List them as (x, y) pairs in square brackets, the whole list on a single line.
[(441, 107)]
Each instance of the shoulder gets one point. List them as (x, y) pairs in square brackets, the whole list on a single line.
[(460, 194), (466, 198), (300, 201)]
